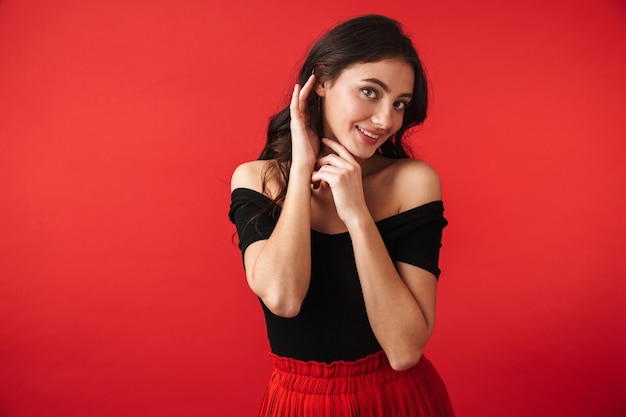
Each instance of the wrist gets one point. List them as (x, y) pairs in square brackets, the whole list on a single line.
[(359, 221), (300, 170)]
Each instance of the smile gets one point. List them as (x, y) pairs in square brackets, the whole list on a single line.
[(368, 134)]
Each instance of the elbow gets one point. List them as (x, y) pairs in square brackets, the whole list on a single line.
[(285, 307), (405, 361), (408, 354), (285, 311), (281, 302), (282, 296)]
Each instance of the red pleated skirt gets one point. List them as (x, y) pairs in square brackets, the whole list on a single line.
[(367, 387)]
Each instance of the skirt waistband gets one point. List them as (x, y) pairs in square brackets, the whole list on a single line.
[(347, 376)]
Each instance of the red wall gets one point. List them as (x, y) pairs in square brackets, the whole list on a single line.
[(121, 293)]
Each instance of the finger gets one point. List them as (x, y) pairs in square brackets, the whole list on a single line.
[(314, 183), (323, 176), (334, 160), (339, 149), (294, 106), (307, 88), (328, 174), (331, 169)]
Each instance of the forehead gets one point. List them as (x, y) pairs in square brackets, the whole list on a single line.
[(397, 74)]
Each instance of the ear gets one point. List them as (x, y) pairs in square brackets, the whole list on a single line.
[(320, 88)]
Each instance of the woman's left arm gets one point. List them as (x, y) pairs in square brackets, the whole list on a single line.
[(399, 298)]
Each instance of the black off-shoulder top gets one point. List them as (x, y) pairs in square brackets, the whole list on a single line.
[(332, 324)]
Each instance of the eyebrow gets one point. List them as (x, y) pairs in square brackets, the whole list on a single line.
[(384, 86)]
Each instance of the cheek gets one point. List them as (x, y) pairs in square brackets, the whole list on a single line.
[(344, 110), (357, 111), (345, 114), (397, 122)]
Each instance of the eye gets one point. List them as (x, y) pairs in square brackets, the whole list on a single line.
[(369, 92), (400, 105)]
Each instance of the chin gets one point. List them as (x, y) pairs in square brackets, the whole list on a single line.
[(363, 153)]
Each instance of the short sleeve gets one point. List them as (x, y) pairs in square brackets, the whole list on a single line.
[(415, 236), (245, 205)]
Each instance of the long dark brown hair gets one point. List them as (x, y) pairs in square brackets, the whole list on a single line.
[(363, 39)]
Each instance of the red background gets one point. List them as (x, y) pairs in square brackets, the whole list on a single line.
[(120, 123)]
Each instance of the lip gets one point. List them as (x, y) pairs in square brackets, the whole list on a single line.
[(368, 139)]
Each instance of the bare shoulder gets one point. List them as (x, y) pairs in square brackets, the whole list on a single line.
[(415, 183), (249, 175)]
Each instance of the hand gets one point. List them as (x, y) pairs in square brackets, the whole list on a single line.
[(305, 144), (343, 174)]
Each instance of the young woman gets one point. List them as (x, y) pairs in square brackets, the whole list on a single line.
[(340, 233)]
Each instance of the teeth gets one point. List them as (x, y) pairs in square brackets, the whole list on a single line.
[(368, 134)]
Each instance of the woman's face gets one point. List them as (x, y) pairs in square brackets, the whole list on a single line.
[(365, 105)]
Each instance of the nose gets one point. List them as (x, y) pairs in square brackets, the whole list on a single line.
[(383, 117)]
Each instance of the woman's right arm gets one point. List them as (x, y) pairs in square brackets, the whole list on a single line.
[(278, 269)]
